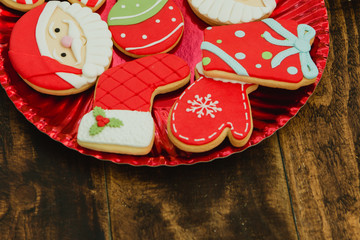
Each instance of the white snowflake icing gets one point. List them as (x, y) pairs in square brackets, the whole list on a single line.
[(203, 106)]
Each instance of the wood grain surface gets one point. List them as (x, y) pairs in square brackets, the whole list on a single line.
[(301, 183)]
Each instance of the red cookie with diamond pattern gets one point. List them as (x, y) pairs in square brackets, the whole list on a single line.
[(145, 27), (121, 121), (210, 110)]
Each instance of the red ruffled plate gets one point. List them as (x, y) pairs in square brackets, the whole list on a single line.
[(59, 117)]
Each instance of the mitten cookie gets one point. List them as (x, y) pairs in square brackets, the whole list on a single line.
[(269, 53), (121, 121), (145, 27), (60, 49), (222, 12), (93, 4), (22, 5), (210, 110)]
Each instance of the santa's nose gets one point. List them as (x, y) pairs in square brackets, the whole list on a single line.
[(66, 41)]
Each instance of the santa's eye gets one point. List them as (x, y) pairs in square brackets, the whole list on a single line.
[(63, 54), (57, 30)]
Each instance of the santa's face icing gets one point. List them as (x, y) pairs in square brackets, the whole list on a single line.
[(65, 39)]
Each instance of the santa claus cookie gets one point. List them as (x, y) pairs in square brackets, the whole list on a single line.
[(145, 27), (222, 12), (269, 53), (22, 5), (60, 49), (93, 4), (210, 110), (121, 121)]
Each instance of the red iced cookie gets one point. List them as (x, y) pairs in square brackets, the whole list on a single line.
[(121, 121), (145, 27), (209, 111)]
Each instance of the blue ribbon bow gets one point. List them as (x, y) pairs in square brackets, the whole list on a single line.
[(300, 44)]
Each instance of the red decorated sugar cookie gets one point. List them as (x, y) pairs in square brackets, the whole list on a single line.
[(210, 110), (93, 4), (60, 49), (145, 27), (22, 5), (221, 12), (269, 52), (121, 121)]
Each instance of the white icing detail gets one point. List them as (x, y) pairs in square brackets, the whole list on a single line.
[(173, 116), (238, 134), (203, 106), (144, 36), (246, 128), (181, 95), (51, 30), (186, 138), (212, 135), (258, 65), (74, 80), (240, 34), (157, 20), (199, 140), (246, 116), (174, 128), (156, 42), (173, 19), (84, 2), (139, 14), (232, 11), (137, 5), (245, 107), (96, 32), (240, 56), (122, 6), (123, 35), (176, 105), (232, 126), (171, 7), (222, 125), (243, 95), (137, 131), (292, 70), (208, 28), (193, 84)]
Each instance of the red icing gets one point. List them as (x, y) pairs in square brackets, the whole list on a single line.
[(154, 32), (101, 121), (253, 45), (233, 112), (130, 86), (91, 3), (25, 56)]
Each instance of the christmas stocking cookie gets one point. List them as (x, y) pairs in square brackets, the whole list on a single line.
[(145, 27), (269, 53), (210, 110), (121, 121), (222, 12), (22, 5)]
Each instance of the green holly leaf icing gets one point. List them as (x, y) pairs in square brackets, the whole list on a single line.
[(98, 111), (95, 129), (129, 12), (114, 122)]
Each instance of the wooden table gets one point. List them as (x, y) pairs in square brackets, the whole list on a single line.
[(301, 183)]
